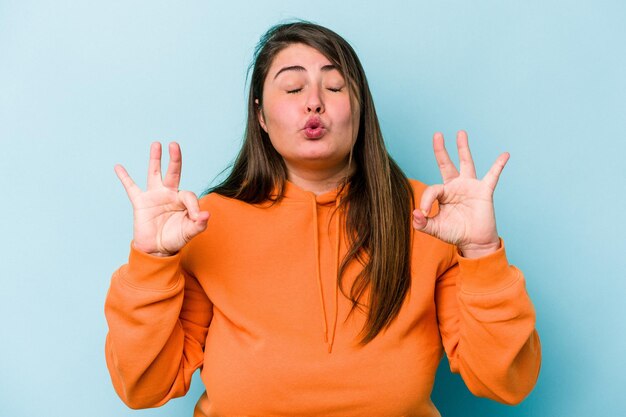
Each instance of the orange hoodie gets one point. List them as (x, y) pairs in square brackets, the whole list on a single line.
[(254, 302)]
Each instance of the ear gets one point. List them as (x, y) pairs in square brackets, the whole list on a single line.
[(259, 113)]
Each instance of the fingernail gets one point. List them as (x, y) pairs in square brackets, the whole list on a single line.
[(424, 212)]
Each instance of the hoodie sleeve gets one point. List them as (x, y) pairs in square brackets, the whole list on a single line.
[(158, 319), (487, 325)]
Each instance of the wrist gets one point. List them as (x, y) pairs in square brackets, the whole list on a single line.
[(478, 251), (161, 255), (151, 253)]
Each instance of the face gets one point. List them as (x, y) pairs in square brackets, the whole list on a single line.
[(306, 110)]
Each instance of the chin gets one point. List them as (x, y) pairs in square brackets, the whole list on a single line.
[(318, 161)]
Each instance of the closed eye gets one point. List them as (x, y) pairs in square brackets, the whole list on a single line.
[(297, 90), (335, 90)]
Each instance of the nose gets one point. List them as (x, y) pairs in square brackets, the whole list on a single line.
[(314, 102)]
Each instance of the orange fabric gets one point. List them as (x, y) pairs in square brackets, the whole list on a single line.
[(254, 302)]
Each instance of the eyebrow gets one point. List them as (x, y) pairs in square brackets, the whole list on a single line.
[(300, 68)]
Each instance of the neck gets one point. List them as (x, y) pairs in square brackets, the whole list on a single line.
[(319, 181)]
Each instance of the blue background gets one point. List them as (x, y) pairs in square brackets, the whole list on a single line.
[(85, 85)]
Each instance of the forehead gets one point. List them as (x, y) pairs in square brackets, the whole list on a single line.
[(298, 54)]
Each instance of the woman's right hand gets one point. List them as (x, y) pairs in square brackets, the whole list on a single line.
[(165, 219)]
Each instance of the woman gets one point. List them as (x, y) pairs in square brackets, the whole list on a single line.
[(308, 292)]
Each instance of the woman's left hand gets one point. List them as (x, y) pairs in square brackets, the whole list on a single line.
[(466, 215)]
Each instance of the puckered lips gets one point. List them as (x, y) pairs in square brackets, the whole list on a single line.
[(314, 128)]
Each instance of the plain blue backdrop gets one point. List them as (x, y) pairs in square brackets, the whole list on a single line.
[(85, 85)]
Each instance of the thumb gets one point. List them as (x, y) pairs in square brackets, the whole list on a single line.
[(193, 227), (420, 221), (196, 220), (425, 224)]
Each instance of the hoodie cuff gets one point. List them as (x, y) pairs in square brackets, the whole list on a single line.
[(151, 272), (487, 274)]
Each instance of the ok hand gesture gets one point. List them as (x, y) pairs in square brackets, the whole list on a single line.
[(165, 219), (466, 215)]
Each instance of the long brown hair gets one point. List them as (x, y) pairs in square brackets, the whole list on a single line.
[(378, 201)]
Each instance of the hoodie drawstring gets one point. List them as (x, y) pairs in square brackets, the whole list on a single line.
[(336, 280), (317, 270), (329, 340)]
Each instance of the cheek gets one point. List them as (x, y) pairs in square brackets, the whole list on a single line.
[(344, 114), (279, 114)]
